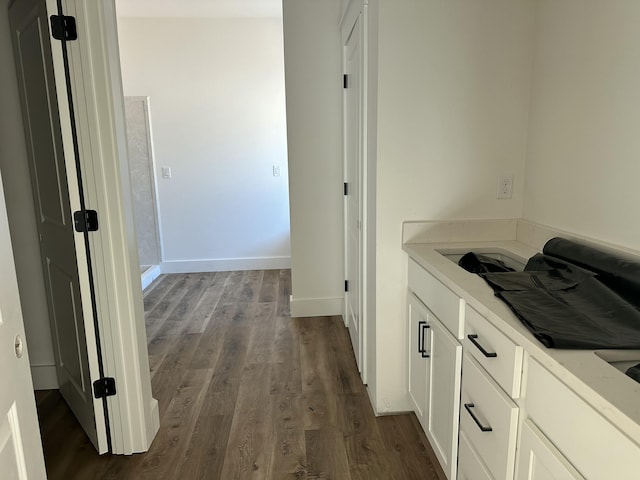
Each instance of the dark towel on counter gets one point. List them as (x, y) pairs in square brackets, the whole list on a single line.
[(567, 306)]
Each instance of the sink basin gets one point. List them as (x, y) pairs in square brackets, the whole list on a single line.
[(509, 259), (620, 359)]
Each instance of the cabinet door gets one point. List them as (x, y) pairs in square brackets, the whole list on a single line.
[(444, 396), (539, 459), (418, 357)]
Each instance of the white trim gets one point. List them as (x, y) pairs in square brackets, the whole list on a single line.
[(44, 377), (225, 264), (358, 10), (149, 275), (99, 105), (316, 307)]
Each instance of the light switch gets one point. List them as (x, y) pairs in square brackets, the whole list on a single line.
[(276, 170), (166, 172)]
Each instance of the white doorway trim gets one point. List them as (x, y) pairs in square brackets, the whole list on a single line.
[(358, 11)]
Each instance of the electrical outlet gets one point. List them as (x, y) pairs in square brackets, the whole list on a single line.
[(505, 186)]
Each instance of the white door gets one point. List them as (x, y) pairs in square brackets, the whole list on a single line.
[(20, 444), (54, 182), (538, 459), (419, 354), (353, 197), (444, 396)]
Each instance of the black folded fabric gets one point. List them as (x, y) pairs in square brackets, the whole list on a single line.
[(567, 305), (478, 263), (634, 372)]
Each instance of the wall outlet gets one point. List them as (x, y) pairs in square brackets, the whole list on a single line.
[(505, 186)]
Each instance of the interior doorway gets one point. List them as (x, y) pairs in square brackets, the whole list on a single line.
[(275, 173), (219, 132)]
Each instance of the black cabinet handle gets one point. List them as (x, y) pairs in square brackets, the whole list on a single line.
[(473, 337), (422, 326), (468, 407)]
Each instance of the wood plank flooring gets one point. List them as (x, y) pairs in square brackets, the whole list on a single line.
[(246, 392)]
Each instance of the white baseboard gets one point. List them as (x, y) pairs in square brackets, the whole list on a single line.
[(149, 275), (316, 307), (225, 264), (44, 377)]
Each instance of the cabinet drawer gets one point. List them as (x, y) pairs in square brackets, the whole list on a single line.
[(494, 351), (445, 304), (596, 448), (489, 419), (470, 467), (538, 459)]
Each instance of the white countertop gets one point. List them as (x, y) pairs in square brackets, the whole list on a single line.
[(609, 391)]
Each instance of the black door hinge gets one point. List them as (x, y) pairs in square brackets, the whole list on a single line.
[(346, 188), (346, 285), (85, 220), (345, 81), (63, 27), (104, 387)]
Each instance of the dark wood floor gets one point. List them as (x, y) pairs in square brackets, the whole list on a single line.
[(245, 391)]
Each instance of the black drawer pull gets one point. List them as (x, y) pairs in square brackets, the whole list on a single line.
[(473, 337), (468, 407), (422, 326)]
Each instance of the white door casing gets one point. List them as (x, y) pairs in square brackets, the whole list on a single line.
[(56, 195), (353, 210), (20, 445), (354, 28)]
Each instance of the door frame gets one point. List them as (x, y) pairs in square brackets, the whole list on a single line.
[(98, 105), (359, 9)]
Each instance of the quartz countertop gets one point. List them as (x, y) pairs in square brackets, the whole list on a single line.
[(609, 391)]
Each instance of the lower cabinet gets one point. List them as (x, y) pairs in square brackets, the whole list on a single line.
[(489, 420), (538, 459), (435, 366), (470, 467)]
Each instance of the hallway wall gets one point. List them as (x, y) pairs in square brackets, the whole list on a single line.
[(217, 91)]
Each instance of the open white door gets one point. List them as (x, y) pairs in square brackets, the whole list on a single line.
[(20, 444), (57, 194), (353, 168)]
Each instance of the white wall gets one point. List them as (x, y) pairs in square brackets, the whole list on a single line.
[(583, 163), (453, 98), (314, 110), (22, 218), (218, 116)]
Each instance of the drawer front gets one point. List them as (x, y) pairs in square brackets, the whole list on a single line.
[(538, 459), (470, 467), (596, 448), (489, 419), (497, 354), (446, 305)]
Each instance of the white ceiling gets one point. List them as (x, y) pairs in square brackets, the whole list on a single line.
[(199, 8)]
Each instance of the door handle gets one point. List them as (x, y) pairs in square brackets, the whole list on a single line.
[(472, 338), (468, 407), (422, 327)]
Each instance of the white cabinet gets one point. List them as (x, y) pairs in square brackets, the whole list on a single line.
[(592, 444), (435, 365), (418, 363), (538, 459), (489, 419), (491, 376), (444, 396), (470, 467)]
